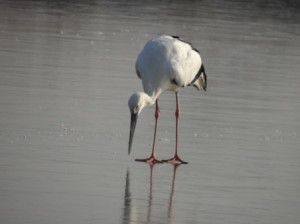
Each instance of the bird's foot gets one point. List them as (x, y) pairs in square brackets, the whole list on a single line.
[(175, 160), (151, 160)]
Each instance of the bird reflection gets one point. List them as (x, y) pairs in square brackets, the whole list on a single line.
[(130, 213)]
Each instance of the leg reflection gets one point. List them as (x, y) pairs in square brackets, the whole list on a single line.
[(150, 192), (130, 214), (172, 193), (128, 211)]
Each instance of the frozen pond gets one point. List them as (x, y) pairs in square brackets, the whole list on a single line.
[(66, 73)]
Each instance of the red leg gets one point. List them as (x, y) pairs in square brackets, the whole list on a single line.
[(152, 158), (176, 157)]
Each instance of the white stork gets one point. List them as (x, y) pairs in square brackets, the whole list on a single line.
[(165, 63)]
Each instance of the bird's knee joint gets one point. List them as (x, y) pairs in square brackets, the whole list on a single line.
[(156, 115)]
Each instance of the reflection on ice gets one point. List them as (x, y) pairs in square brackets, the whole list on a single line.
[(131, 215)]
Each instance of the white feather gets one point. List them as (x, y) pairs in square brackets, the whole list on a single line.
[(164, 59)]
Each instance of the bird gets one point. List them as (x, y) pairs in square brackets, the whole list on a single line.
[(166, 63)]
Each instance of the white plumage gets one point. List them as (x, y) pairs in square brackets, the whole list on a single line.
[(165, 63), (165, 59)]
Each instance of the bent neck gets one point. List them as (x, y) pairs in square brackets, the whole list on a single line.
[(146, 99), (151, 98)]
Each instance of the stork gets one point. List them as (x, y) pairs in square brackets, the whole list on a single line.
[(165, 63)]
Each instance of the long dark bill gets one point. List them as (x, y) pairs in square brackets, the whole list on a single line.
[(132, 128)]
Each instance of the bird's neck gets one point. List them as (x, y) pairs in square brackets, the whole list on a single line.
[(148, 100), (152, 97)]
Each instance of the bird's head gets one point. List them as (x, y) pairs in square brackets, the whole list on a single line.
[(136, 103)]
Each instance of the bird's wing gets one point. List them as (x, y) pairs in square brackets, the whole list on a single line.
[(137, 71), (184, 64)]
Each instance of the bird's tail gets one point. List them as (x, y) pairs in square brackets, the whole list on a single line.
[(201, 82)]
